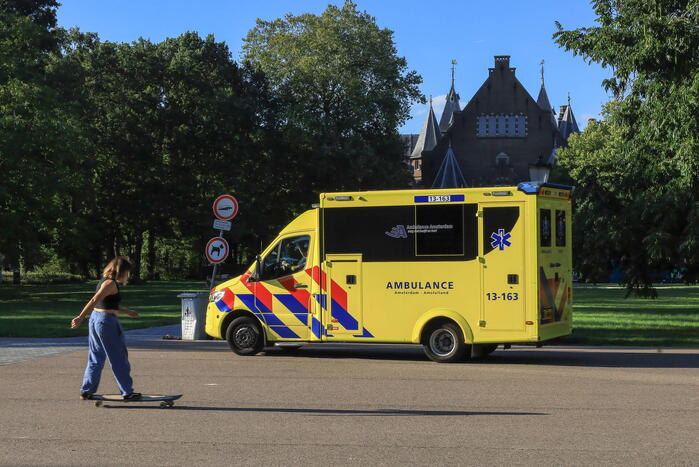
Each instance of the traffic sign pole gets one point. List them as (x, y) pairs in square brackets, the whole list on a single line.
[(225, 209), (213, 274)]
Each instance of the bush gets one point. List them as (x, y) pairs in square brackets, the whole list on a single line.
[(42, 277), (52, 272)]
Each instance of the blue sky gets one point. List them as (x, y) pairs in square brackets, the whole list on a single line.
[(428, 34)]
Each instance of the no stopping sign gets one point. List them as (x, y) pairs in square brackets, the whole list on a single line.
[(225, 207)]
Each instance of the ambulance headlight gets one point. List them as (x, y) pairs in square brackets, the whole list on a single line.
[(216, 296)]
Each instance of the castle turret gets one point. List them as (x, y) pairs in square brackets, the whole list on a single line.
[(429, 134), (451, 105), (566, 121)]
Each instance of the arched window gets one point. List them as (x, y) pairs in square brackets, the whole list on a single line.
[(502, 160)]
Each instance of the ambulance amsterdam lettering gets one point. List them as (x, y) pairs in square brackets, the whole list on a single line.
[(295, 300), (553, 295)]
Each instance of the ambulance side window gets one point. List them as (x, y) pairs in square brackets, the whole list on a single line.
[(439, 230), (560, 228), (545, 227), (288, 256)]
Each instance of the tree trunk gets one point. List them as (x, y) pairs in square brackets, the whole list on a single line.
[(136, 258), (150, 256)]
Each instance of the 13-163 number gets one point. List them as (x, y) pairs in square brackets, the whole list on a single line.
[(508, 296)]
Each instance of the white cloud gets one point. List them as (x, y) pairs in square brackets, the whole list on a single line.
[(438, 103)]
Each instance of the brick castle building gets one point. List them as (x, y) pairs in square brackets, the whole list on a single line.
[(493, 139)]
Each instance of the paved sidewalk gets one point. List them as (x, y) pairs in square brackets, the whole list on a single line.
[(21, 349)]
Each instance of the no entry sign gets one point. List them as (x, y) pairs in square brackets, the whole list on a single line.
[(225, 207), (217, 250)]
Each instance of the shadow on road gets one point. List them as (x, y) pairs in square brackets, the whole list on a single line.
[(575, 357), (333, 412)]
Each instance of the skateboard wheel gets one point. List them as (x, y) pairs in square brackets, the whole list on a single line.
[(163, 405), (98, 403)]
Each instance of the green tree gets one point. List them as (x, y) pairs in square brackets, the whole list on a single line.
[(38, 129), (171, 125), (637, 171), (344, 91)]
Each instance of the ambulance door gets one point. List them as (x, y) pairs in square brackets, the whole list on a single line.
[(342, 315), (502, 249), (282, 296)]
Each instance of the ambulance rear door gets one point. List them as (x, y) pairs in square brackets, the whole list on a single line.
[(554, 269)]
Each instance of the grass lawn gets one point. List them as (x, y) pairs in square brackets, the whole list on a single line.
[(605, 317), (46, 311), (601, 316)]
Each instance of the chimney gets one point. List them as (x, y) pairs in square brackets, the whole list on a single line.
[(562, 112), (502, 61)]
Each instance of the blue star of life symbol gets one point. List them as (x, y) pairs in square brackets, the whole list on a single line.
[(500, 239)]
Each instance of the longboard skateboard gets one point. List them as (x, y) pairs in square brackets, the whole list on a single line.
[(165, 401)]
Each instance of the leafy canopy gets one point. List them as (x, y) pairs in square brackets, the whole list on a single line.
[(343, 92), (637, 171)]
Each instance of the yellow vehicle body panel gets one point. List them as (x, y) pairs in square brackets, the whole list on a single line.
[(384, 266)]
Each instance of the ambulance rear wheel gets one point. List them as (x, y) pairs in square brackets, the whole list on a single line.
[(445, 343), (244, 336)]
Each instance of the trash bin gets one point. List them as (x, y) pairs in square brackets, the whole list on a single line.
[(194, 315)]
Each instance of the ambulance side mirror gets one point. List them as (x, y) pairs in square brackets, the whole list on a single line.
[(258, 269)]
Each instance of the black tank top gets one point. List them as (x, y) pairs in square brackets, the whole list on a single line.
[(110, 302)]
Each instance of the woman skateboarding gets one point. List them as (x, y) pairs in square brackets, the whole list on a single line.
[(106, 338)]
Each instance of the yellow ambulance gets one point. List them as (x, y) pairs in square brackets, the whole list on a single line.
[(458, 271)]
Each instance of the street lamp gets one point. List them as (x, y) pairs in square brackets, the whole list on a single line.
[(540, 171)]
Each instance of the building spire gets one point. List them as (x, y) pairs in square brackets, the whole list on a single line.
[(449, 174), (451, 105), (429, 135), (566, 121), (542, 71), (453, 68)]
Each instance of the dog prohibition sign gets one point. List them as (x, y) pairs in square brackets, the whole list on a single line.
[(217, 250)]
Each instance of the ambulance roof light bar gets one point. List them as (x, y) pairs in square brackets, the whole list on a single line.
[(532, 188)]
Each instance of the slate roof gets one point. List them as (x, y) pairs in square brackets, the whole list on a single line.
[(545, 104), (566, 122), (452, 105), (429, 135), (449, 174)]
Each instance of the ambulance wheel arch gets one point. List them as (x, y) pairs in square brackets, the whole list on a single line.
[(435, 316), (445, 335), (243, 332)]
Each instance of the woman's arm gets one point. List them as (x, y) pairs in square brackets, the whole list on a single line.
[(126, 311), (107, 288)]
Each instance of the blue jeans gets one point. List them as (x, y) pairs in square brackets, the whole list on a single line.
[(106, 340)]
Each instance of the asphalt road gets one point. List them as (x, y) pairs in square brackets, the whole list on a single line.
[(383, 405)]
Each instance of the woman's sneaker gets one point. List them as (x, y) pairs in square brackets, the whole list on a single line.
[(134, 396), (85, 395)]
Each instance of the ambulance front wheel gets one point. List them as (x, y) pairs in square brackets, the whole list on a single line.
[(244, 336), (445, 343)]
